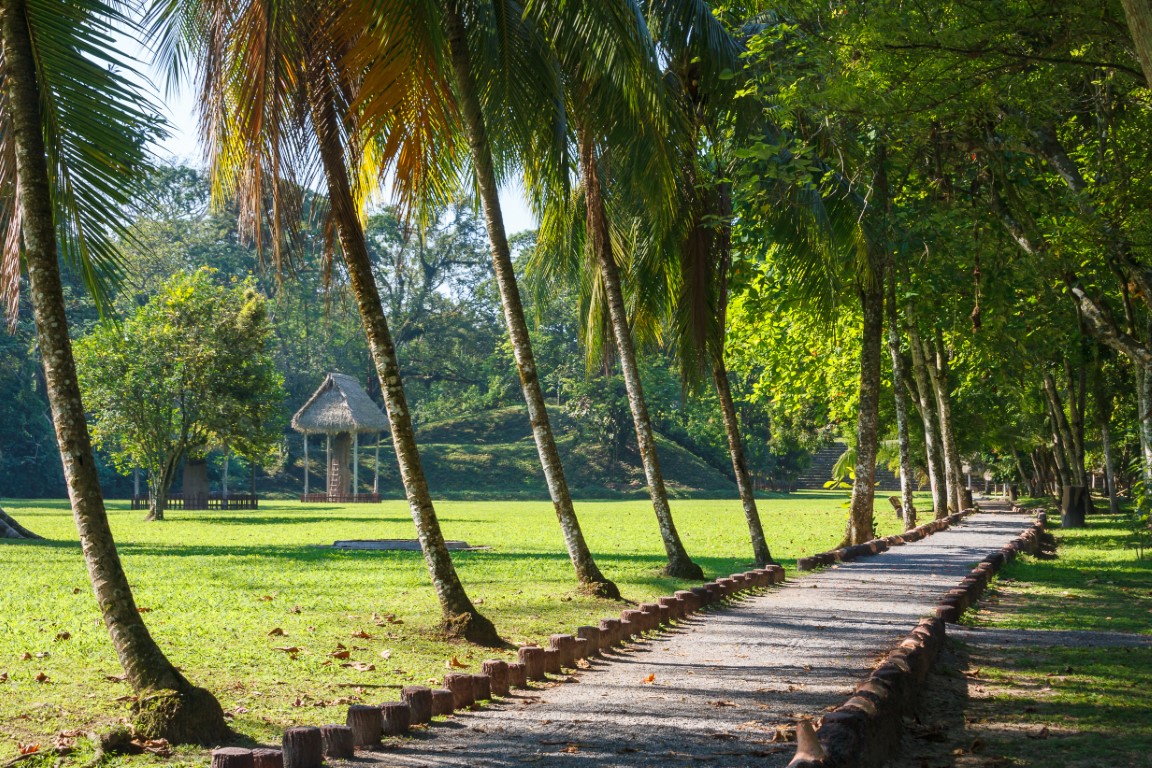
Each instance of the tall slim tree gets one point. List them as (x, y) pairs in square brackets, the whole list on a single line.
[(281, 84), (926, 404), (72, 130), (899, 395)]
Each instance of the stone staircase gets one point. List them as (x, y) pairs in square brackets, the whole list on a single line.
[(820, 471)]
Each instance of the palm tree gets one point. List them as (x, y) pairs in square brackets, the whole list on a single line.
[(521, 42), (10, 529), (73, 131), (282, 86)]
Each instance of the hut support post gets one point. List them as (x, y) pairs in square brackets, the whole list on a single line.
[(328, 464), (376, 480), (355, 465), (306, 465)]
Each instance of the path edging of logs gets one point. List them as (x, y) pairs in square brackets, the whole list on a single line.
[(306, 747), (866, 730), (876, 546)]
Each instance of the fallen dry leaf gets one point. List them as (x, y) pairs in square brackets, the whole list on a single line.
[(455, 663), (3, 677), (43, 655), (360, 666), (26, 656), (296, 609), (266, 598), (649, 680), (291, 650), (63, 636), (115, 678), (276, 632), (143, 609), (41, 677), (385, 654), (28, 749), (76, 590), (362, 635), (159, 747), (340, 654)]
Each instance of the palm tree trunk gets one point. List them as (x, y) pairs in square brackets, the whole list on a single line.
[(587, 572), (679, 563), (460, 616), (1139, 16), (739, 465), (938, 375), (10, 529), (901, 406), (926, 402), (861, 510), (168, 705)]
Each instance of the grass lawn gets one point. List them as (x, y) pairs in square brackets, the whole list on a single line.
[(216, 584), (1067, 706)]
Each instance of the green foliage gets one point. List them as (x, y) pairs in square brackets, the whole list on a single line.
[(187, 372)]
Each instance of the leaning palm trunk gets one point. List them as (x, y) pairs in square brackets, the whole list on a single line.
[(906, 504), (739, 465), (168, 706), (460, 616), (10, 529), (926, 403), (587, 572), (679, 563), (861, 510)]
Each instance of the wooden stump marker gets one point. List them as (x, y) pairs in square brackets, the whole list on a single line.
[(232, 757), (581, 646), (609, 633), (532, 657), (497, 671), (592, 636), (397, 718), (443, 702), (481, 688), (419, 700), (269, 758), (517, 675), (552, 661), (651, 612), (565, 645), (463, 690), (304, 747), (339, 742), (366, 723)]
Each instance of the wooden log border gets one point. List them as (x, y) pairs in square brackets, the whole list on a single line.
[(876, 546), (866, 730)]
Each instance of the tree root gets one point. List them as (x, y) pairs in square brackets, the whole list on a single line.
[(684, 569), (605, 589), (473, 627), (187, 716)]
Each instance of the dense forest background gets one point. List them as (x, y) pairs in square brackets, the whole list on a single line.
[(438, 291)]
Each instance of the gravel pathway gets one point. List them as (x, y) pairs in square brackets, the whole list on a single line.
[(714, 690)]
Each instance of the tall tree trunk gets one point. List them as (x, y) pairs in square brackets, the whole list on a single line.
[(723, 251), (862, 508), (1144, 406), (679, 563), (168, 706), (587, 572), (10, 529), (460, 616), (1062, 431), (906, 502), (1103, 419), (933, 445), (1139, 16), (938, 375), (739, 465), (160, 487)]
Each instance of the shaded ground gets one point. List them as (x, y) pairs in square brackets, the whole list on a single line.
[(726, 689)]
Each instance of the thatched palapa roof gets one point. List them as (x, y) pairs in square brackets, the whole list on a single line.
[(339, 405)]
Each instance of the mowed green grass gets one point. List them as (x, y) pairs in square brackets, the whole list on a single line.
[(217, 583)]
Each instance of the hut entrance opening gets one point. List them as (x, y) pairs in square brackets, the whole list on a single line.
[(341, 411)]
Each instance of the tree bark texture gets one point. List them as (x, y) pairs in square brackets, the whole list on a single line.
[(935, 356), (679, 563), (933, 445), (861, 511), (1103, 419), (169, 706), (1073, 465), (898, 376), (1144, 404), (460, 615), (1139, 16), (587, 572)]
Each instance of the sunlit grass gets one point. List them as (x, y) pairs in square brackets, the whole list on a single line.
[(207, 578)]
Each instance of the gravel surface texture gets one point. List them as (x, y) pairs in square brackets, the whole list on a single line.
[(716, 689)]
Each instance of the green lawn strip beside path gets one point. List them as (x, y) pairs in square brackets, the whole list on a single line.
[(221, 587), (1067, 706)]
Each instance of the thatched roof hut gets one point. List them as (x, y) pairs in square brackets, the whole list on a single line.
[(340, 405), (342, 411)]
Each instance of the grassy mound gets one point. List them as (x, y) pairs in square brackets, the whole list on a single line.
[(492, 455)]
